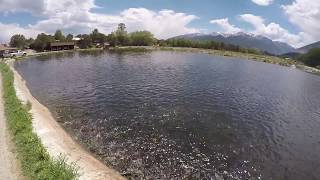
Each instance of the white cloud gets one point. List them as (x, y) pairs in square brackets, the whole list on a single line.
[(7, 30), (35, 7), (306, 15), (256, 21), (76, 16), (271, 30), (164, 24), (263, 2), (225, 25), (45, 7), (274, 31)]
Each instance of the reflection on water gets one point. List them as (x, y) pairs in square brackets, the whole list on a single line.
[(171, 115)]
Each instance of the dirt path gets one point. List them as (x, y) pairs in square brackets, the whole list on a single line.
[(9, 168)]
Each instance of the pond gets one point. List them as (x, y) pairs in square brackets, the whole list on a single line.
[(181, 115)]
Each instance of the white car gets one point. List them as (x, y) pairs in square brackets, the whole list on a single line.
[(18, 53), (10, 54)]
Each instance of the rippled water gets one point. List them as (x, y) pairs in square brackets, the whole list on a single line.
[(174, 115)]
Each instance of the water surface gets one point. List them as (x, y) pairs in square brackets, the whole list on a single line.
[(174, 115)]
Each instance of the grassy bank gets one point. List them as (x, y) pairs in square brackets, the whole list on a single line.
[(35, 160), (250, 56)]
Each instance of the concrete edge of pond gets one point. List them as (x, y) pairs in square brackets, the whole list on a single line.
[(57, 141)]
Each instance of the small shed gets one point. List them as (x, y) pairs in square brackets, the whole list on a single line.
[(59, 46)]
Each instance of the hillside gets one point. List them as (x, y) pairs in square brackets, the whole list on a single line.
[(305, 49), (244, 40)]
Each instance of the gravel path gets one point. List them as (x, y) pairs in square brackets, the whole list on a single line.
[(9, 168)]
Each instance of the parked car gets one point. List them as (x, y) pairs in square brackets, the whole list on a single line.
[(10, 54), (6, 54), (18, 53)]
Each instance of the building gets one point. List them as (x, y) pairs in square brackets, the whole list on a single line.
[(6, 49), (59, 46), (106, 45)]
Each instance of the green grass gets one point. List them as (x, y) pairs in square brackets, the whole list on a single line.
[(35, 160), (250, 56)]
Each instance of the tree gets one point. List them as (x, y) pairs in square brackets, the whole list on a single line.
[(18, 41), (112, 39), (162, 42), (98, 37), (29, 42), (312, 58), (141, 38), (58, 35), (95, 35), (122, 27), (85, 42), (122, 35), (42, 42), (69, 37)]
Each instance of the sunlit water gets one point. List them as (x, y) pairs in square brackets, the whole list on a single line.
[(174, 115)]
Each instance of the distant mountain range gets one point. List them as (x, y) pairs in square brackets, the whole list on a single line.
[(305, 49), (244, 40)]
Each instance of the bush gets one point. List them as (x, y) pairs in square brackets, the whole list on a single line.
[(141, 38)]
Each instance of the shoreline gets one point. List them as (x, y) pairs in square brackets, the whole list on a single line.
[(246, 56), (57, 141)]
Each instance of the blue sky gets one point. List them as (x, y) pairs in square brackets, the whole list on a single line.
[(206, 10), (288, 21)]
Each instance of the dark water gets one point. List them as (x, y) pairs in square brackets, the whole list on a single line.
[(174, 115)]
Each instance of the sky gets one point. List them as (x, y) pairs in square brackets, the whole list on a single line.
[(296, 22)]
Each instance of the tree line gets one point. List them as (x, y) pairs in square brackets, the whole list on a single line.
[(312, 58), (119, 37), (207, 45)]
